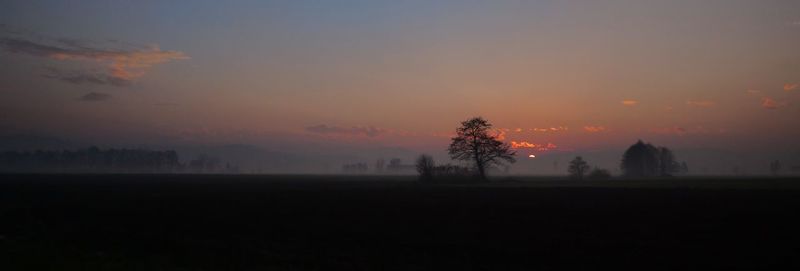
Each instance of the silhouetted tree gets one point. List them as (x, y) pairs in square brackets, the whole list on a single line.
[(640, 160), (578, 168), (599, 174), (645, 160), (666, 162), (425, 167), (204, 164), (775, 167), (474, 143), (396, 165), (684, 168)]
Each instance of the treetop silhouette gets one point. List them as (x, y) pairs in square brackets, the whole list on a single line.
[(474, 143)]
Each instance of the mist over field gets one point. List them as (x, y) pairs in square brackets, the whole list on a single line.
[(399, 135), (310, 87), (326, 158)]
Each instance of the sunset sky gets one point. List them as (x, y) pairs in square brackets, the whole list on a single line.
[(552, 76)]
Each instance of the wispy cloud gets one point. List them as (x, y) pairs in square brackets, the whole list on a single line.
[(85, 77), (121, 64), (500, 134), (705, 104), (594, 129), (629, 102), (790, 86), (95, 97), (529, 145), (550, 129), (770, 103), (368, 131), (753, 92)]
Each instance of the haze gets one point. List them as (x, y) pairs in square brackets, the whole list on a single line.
[(333, 82)]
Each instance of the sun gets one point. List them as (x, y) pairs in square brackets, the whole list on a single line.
[(531, 156)]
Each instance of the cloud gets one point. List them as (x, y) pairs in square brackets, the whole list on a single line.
[(368, 131), (500, 134), (550, 129), (529, 145), (85, 77), (705, 104), (121, 64), (95, 97), (753, 91), (630, 102), (790, 87), (594, 129), (769, 103)]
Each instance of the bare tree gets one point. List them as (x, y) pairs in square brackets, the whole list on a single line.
[(578, 168), (473, 142), (425, 167)]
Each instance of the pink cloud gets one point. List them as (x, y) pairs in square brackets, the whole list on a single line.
[(122, 65), (550, 129), (594, 129), (769, 103), (529, 145), (630, 102), (705, 104), (790, 87), (500, 134)]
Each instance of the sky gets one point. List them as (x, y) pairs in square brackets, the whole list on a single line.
[(372, 77)]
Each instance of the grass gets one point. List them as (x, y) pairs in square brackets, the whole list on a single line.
[(285, 222)]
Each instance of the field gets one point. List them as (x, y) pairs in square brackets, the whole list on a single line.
[(209, 222)]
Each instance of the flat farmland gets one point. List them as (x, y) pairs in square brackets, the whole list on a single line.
[(285, 222)]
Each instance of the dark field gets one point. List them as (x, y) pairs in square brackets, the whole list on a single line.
[(185, 222)]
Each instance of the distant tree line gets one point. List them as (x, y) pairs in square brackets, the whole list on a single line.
[(474, 144), (645, 160), (579, 169), (93, 159), (395, 166)]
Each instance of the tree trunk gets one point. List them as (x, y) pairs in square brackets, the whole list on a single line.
[(481, 170)]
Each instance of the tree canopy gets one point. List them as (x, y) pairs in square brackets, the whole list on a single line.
[(473, 142), (645, 160), (578, 168)]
